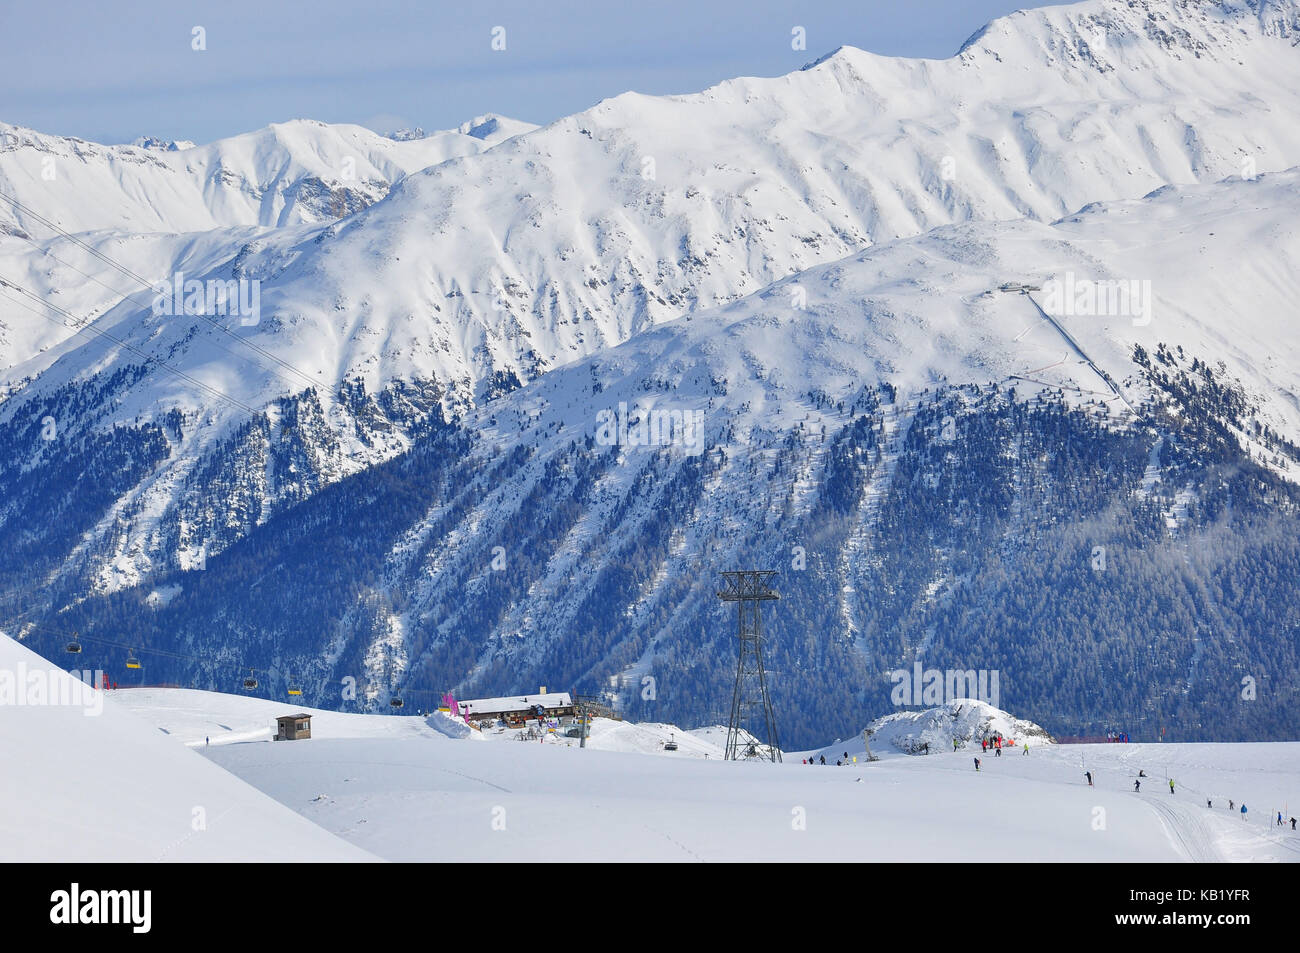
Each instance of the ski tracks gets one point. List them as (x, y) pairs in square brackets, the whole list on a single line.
[(1189, 832)]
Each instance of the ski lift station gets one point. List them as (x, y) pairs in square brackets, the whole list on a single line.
[(292, 727), (515, 710)]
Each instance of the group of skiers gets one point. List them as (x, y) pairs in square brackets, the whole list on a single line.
[(1209, 802), (997, 743), (1120, 737), (839, 762)]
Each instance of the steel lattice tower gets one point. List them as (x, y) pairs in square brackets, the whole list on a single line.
[(749, 589)]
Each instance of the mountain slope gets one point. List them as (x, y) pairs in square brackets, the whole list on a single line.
[(289, 173), (931, 461), (102, 784), (482, 272)]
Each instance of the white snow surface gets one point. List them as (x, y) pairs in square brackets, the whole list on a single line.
[(400, 790), (80, 786)]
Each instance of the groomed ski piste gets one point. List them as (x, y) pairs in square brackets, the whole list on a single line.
[(155, 774)]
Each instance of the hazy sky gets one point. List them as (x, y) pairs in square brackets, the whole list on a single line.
[(112, 70)]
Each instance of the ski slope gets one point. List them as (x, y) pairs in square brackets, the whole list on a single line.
[(89, 781), (396, 788)]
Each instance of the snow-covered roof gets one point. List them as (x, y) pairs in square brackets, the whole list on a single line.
[(483, 706)]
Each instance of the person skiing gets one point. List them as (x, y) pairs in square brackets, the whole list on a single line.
[(1279, 818), (1088, 775), (1137, 785), (823, 759), (998, 751), (205, 740), (1171, 785), (1141, 773), (984, 744), (1207, 803), (1230, 805), (1243, 810), (1026, 749), (977, 764), (1293, 823)]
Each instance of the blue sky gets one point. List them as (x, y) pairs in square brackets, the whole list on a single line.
[(111, 71)]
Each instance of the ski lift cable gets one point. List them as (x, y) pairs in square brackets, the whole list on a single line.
[(141, 280), (78, 328), (77, 638), (84, 323)]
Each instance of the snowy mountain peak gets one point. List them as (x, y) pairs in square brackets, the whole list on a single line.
[(162, 145), (1103, 33)]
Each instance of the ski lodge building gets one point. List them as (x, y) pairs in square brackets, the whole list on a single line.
[(515, 710)]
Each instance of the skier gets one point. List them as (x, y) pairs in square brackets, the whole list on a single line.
[(1171, 785), (984, 744), (1207, 803), (1137, 785), (1230, 805), (205, 741), (998, 750), (823, 759), (1026, 751), (954, 744), (1279, 818), (1243, 810), (1293, 823), (1088, 775), (977, 764), (1142, 774)]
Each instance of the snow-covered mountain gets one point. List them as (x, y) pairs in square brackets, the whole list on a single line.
[(906, 430), (828, 266), (161, 207), (286, 174), (483, 271), (578, 235)]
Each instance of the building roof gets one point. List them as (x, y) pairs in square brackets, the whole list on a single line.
[(486, 706), (301, 714)]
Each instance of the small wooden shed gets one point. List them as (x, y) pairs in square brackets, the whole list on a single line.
[(293, 727)]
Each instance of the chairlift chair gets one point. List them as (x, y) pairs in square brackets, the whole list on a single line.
[(131, 660), (74, 646), (250, 682), (294, 688), (395, 702), (671, 743)]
